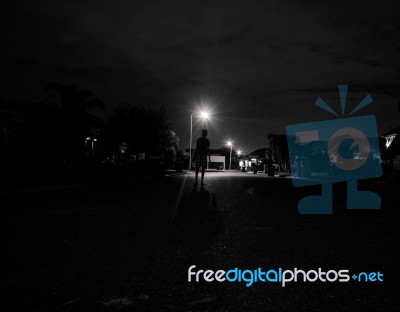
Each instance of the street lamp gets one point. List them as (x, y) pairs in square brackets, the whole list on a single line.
[(229, 143), (86, 141), (203, 115), (94, 140)]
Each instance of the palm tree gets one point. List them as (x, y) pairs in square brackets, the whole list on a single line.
[(75, 100)]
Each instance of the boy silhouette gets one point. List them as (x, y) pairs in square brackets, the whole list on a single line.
[(200, 155)]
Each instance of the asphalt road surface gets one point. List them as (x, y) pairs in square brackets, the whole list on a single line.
[(127, 246)]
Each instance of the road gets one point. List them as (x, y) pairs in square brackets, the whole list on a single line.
[(127, 246)]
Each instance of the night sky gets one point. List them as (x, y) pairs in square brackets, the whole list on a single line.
[(258, 65)]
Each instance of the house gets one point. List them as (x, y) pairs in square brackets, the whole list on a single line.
[(217, 160), (258, 156)]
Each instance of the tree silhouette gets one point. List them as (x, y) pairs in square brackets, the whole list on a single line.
[(143, 129), (75, 101), (76, 120), (278, 149)]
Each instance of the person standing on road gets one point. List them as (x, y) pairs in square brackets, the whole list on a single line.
[(200, 155)]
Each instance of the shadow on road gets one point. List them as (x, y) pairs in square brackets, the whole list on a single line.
[(198, 220)]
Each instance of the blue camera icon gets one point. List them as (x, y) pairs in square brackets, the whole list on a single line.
[(325, 152)]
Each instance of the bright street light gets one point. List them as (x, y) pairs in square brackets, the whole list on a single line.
[(239, 153), (203, 115)]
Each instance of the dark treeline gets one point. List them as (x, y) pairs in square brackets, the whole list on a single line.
[(33, 133), (137, 130), (277, 151)]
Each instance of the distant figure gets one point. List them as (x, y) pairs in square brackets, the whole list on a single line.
[(200, 155)]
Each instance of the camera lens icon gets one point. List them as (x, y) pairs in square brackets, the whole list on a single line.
[(359, 139)]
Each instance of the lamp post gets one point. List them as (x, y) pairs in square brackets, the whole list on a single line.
[(230, 157), (86, 141), (190, 146), (203, 115), (94, 140), (239, 153)]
